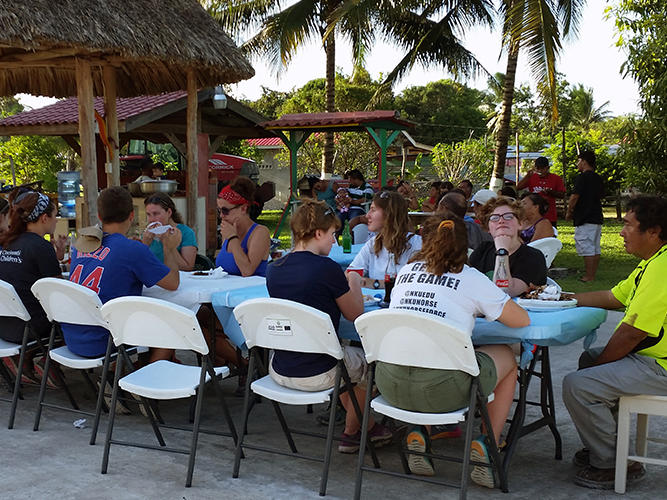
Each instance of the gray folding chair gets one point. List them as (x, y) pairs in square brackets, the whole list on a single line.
[(409, 338), (149, 322), (67, 302), (11, 306), (269, 323)]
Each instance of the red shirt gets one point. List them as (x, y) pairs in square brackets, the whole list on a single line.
[(537, 184)]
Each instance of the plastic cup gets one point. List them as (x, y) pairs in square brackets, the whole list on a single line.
[(358, 270)]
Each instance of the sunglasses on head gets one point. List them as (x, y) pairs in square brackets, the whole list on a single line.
[(384, 195), (225, 211), (505, 216)]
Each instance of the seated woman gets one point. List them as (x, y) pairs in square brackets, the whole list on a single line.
[(429, 205), (25, 258), (245, 251), (245, 246), (444, 253), (309, 277), (161, 211), (527, 265), (388, 219), (535, 226)]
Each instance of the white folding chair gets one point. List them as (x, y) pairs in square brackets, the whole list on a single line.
[(643, 406), (360, 234), (409, 338), (67, 302), (144, 321), (549, 247), (282, 324), (11, 306)]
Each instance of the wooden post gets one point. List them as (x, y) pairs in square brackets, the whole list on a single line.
[(84, 85), (109, 74), (193, 163)]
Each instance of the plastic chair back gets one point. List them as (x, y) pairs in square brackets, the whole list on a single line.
[(67, 302), (203, 263), (360, 233), (286, 325), (144, 321), (410, 338), (549, 247), (11, 304)]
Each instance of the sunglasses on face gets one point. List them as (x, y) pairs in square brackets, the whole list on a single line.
[(505, 216), (225, 211)]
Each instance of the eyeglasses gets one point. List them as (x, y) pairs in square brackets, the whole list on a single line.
[(505, 216), (225, 211)]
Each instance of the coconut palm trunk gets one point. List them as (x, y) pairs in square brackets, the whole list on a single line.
[(502, 136), (330, 52)]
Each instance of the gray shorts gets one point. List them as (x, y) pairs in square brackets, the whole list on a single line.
[(433, 391), (587, 239)]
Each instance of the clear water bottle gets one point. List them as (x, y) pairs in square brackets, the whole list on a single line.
[(389, 277), (501, 272), (68, 190)]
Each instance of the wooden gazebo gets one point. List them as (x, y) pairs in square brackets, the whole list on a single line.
[(115, 48)]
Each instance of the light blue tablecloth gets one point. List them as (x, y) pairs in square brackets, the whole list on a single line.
[(551, 328), (344, 259)]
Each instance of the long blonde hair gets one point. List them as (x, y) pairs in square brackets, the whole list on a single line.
[(393, 235)]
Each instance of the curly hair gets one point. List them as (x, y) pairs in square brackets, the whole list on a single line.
[(311, 216), (22, 203), (393, 235), (650, 212), (487, 210), (444, 244), (165, 201)]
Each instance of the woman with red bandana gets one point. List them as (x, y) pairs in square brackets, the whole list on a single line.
[(245, 246)]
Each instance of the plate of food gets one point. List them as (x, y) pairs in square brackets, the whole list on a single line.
[(208, 274), (370, 301), (546, 298)]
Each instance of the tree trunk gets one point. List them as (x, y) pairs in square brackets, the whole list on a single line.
[(330, 50), (502, 136)]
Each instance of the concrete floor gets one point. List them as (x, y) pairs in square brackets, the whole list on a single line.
[(57, 462)]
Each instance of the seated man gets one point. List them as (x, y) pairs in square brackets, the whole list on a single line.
[(118, 267), (634, 361)]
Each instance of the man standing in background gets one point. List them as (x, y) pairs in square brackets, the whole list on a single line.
[(585, 210), (550, 186)]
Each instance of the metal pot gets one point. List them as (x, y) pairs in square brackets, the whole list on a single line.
[(134, 188), (159, 186)]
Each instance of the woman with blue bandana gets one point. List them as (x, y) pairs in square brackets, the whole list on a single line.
[(26, 257)]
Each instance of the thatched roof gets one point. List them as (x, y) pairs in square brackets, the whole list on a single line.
[(152, 43)]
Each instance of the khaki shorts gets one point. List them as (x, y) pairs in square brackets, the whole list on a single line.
[(355, 363), (587, 239), (432, 391)]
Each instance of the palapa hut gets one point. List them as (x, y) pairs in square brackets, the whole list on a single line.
[(115, 48)]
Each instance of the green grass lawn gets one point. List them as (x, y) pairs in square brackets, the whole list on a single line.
[(615, 264)]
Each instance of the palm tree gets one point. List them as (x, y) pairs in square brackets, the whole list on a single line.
[(584, 112), (284, 29), (535, 26)]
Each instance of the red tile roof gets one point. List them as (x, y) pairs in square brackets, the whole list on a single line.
[(266, 141), (312, 120), (67, 111)]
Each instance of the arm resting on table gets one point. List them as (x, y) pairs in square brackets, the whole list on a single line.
[(603, 299), (514, 315)]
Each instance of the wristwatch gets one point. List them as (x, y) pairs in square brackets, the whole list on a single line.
[(376, 284)]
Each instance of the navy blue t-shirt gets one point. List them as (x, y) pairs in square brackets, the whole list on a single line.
[(315, 281), (120, 267)]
